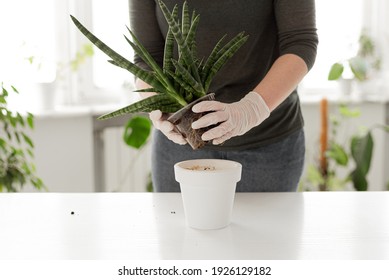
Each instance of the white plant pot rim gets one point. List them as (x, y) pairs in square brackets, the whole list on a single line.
[(227, 170)]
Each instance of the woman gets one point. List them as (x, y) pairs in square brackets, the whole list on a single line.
[(257, 106)]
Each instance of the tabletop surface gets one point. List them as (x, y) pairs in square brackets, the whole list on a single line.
[(307, 225)]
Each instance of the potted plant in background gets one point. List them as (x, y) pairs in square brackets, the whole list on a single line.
[(181, 80), (362, 68), (16, 148), (352, 156)]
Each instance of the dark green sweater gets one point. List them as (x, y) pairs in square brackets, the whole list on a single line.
[(275, 27)]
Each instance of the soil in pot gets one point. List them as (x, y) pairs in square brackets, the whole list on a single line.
[(184, 118), (201, 168)]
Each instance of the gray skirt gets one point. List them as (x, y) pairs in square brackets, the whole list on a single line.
[(276, 167)]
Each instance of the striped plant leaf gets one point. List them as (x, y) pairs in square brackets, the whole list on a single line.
[(182, 82), (146, 76), (185, 19), (168, 52), (145, 90), (160, 75), (191, 42), (119, 60), (175, 13), (101, 45), (194, 14), (146, 56), (200, 65), (190, 37), (188, 95), (218, 54), (169, 45), (231, 43), (184, 48), (212, 58), (185, 74), (222, 60), (156, 102)]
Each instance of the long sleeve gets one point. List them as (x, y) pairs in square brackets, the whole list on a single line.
[(297, 29), (144, 24)]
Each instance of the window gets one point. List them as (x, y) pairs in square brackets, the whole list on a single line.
[(99, 81), (106, 75), (339, 24), (27, 41), (41, 41)]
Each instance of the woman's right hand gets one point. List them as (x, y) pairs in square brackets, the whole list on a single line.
[(159, 119), (160, 122)]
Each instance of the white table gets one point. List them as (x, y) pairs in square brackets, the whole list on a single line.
[(325, 226)]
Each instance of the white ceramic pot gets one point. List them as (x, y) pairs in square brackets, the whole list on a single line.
[(208, 190), (345, 86)]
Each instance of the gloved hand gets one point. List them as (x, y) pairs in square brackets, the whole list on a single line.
[(167, 128), (235, 118)]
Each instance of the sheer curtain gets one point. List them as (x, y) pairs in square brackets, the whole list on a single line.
[(376, 21)]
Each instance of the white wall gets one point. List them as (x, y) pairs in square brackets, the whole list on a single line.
[(63, 152)]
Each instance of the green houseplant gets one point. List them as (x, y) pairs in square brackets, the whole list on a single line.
[(360, 65), (353, 155), (16, 147), (360, 68), (180, 80)]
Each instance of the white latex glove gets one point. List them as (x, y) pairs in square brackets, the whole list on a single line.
[(235, 118), (167, 128)]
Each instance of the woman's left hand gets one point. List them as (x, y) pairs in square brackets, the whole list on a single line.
[(234, 119)]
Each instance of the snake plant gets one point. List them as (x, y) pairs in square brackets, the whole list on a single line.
[(180, 80)]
